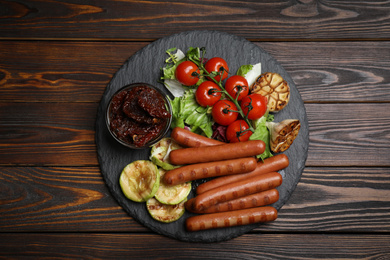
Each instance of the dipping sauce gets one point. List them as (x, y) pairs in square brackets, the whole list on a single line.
[(138, 114)]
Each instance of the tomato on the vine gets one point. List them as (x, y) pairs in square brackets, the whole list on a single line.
[(238, 132), (224, 112), (237, 85), (187, 73), (254, 106), (208, 93), (219, 65)]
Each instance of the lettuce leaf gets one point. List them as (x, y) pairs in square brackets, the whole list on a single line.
[(177, 119), (244, 69), (176, 56), (174, 86), (186, 111), (193, 54), (262, 133), (172, 62)]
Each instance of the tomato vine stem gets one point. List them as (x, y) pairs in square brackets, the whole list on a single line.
[(223, 90)]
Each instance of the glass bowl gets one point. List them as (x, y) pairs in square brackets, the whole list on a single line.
[(129, 122)]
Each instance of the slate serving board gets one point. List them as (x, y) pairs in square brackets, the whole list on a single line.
[(144, 66)]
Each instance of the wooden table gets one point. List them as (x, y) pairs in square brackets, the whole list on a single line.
[(56, 59)]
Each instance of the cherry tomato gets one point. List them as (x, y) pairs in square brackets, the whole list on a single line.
[(184, 73), (235, 132), (224, 112), (254, 106), (237, 84), (219, 65), (208, 93)]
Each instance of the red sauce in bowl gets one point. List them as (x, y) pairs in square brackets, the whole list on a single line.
[(138, 114)]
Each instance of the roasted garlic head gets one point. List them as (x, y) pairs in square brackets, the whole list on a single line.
[(275, 88)]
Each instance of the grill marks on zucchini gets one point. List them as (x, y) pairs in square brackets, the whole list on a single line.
[(160, 153), (140, 181), (172, 195), (163, 212)]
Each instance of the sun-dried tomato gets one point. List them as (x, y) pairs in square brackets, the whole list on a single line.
[(138, 115)]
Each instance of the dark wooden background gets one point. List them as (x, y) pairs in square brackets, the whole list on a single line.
[(56, 58)]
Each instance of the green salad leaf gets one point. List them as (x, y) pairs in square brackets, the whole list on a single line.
[(262, 133), (193, 54), (185, 110), (174, 59), (176, 56), (244, 69)]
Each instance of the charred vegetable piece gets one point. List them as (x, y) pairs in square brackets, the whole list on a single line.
[(160, 153), (165, 213), (140, 180), (283, 134), (274, 88), (172, 195)]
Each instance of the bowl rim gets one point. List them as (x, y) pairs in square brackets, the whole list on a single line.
[(161, 135)]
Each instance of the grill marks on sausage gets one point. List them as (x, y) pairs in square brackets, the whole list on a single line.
[(189, 139), (209, 169), (231, 218), (231, 191), (221, 152), (275, 163), (251, 201)]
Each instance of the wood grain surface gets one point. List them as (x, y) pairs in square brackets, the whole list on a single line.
[(270, 246), (322, 71), (56, 59), (129, 20)]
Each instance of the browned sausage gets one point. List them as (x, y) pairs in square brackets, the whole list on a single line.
[(235, 190), (210, 169), (251, 201), (216, 152), (272, 164), (189, 139), (231, 218)]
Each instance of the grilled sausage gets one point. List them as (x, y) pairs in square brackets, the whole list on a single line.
[(209, 169), (231, 218), (251, 201), (272, 164), (235, 190), (216, 152), (189, 139)]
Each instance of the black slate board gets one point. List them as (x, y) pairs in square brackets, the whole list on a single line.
[(144, 66)]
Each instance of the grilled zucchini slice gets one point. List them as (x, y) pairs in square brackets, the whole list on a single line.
[(160, 153), (140, 180), (165, 213), (171, 195)]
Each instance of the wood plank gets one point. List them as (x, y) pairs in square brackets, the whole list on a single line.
[(348, 134), (337, 199), (75, 199), (128, 20), (59, 71), (145, 246), (59, 199), (40, 71), (63, 134), (48, 133), (336, 72)]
